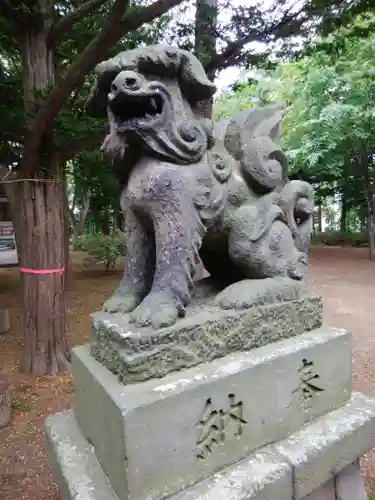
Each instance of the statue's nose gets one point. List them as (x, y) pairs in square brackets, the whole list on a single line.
[(126, 81)]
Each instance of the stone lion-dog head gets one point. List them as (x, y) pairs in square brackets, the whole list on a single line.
[(150, 96)]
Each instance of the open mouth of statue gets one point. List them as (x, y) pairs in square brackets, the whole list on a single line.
[(141, 111)]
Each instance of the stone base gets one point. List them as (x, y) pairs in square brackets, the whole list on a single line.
[(264, 311), (302, 467), (161, 436)]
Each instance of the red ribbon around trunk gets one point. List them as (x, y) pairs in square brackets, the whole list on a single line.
[(42, 271)]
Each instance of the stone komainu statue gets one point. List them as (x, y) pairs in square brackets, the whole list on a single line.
[(193, 189)]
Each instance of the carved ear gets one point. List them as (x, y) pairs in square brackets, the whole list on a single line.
[(193, 79), (96, 104)]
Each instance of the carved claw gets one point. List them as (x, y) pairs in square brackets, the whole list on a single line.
[(159, 312), (121, 303)]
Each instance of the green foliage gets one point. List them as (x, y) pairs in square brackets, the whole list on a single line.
[(101, 248), (329, 120), (340, 239)]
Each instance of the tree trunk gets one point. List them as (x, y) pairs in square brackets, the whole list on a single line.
[(40, 223), (106, 224), (363, 160), (344, 213), (371, 228), (317, 219), (66, 233), (78, 226), (205, 43), (39, 215)]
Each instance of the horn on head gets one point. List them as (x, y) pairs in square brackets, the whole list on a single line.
[(194, 81)]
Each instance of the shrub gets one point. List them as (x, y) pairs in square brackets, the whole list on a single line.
[(340, 239), (101, 248)]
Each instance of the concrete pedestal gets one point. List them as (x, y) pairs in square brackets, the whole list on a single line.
[(274, 423)]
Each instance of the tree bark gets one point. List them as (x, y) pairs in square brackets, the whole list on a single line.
[(40, 208), (363, 160), (344, 213), (205, 44), (66, 237), (105, 223), (371, 229), (79, 225)]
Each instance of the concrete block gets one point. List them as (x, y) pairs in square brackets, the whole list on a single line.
[(326, 446), (263, 476), (349, 484), (76, 469), (161, 436)]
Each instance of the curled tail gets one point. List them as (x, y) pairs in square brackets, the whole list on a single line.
[(252, 138)]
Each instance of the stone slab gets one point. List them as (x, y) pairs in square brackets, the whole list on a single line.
[(206, 333), (76, 469), (328, 445), (161, 436), (263, 476)]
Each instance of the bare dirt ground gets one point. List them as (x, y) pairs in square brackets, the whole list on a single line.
[(344, 277)]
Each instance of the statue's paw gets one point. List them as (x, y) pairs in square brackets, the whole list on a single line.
[(155, 311), (259, 292), (121, 303), (298, 269)]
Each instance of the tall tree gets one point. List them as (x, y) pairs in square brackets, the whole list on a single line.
[(329, 122), (39, 32)]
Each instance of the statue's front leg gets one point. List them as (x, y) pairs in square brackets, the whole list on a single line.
[(139, 270), (178, 235)]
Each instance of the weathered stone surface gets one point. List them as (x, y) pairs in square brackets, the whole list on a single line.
[(6, 391), (163, 435), (184, 198), (349, 483), (4, 321), (326, 446), (263, 476), (76, 469), (324, 492), (207, 332)]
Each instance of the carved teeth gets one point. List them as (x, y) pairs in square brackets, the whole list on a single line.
[(153, 103)]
